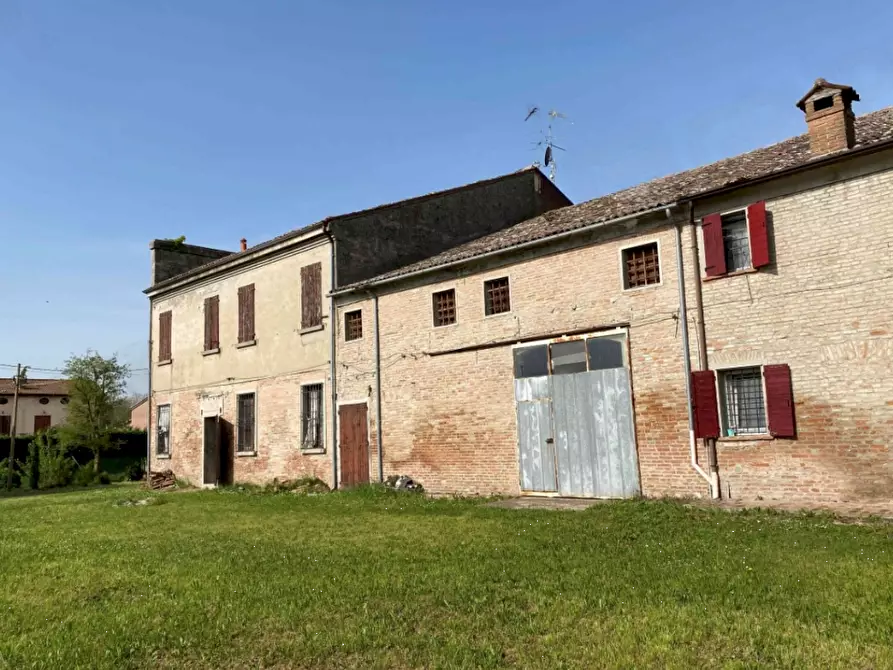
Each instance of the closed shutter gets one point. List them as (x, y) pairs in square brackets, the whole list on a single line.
[(311, 295), (5, 421), (212, 323), (759, 237), (706, 410), (246, 313), (779, 400), (714, 249), (42, 422), (164, 336)]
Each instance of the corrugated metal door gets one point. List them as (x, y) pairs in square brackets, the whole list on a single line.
[(536, 446), (595, 443)]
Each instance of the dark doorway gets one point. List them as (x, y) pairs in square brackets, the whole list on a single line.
[(218, 455), (354, 445)]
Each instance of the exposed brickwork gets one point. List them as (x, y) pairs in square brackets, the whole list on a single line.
[(170, 259), (831, 129)]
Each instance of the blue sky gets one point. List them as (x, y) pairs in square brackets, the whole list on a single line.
[(124, 120)]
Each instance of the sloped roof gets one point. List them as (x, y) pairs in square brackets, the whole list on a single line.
[(872, 128), (35, 387)]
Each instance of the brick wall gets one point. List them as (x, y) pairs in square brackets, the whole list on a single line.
[(170, 259)]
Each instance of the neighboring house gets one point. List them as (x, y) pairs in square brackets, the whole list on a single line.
[(550, 357), (42, 403), (242, 348), (139, 414)]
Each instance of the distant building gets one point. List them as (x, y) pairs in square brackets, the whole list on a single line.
[(139, 414), (43, 403)]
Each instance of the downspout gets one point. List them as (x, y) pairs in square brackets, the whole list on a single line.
[(686, 361), (332, 367), (712, 461), (377, 387)]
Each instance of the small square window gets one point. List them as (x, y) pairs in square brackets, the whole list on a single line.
[(531, 362), (641, 265), (245, 418), (736, 241), (353, 325), (444, 307), (496, 296), (743, 404)]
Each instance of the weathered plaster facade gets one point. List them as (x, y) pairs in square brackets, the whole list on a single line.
[(31, 407)]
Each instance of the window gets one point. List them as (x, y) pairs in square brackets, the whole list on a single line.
[(212, 323), (311, 416), (641, 266), (568, 357), (742, 402), (823, 103), (163, 430), (246, 314), (496, 296), (735, 241), (353, 325), (531, 361), (42, 423), (245, 423), (3, 401), (64, 400), (605, 353), (5, 427), (44, 401), (164, 337), (444, 307), (311, 296)]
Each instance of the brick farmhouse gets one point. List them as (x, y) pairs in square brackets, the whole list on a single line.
[(725, 331)]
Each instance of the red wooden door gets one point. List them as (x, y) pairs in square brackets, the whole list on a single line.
[(354, 445), (41, 422)]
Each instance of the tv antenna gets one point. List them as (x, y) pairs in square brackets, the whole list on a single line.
[(547, 144)]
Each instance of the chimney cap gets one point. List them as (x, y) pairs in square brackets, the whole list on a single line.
[(243, 244), (848, 92)]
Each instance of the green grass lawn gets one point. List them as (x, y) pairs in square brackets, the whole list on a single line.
[(220, 579)]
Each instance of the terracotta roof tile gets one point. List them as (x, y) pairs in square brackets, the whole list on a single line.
[(36, 387), (794, 152)]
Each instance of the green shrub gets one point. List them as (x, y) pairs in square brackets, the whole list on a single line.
[(56, 467), (33, 467), (103, 478), (84, 476), (4, 473), (135, 472)]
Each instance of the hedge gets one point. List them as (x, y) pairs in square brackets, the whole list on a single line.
[(131, 444)]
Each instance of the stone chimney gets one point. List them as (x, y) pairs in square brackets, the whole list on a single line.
[(829, 117)]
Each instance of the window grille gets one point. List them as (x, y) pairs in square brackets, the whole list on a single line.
[(353, 325), (642, 265), (245, 418), (163, 430), (445, 307), (496, 296), (311, 416), (744, 408), (736, 242)]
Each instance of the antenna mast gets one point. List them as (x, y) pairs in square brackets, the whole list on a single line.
[(547, 142)]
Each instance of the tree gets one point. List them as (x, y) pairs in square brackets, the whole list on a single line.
[(95, 392)]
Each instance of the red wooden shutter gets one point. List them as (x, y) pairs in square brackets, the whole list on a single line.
[(779, 400), (311, 295), (246, 313), (714, 249), (705, 405), (759, 237), (164, 336)]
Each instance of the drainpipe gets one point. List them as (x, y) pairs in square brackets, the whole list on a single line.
[(332, 368), (686, 362), (378, 387), (712, 461)]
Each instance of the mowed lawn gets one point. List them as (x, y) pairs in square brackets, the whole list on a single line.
[(367, 579)]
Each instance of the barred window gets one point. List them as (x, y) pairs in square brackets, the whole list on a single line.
[(353, 325), (743, 404), (445, 307), (163, 430), (736, 241), (311, 416), (496, 296), (245, 442), (641, 265)]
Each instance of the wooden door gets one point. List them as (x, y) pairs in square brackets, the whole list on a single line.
[(354, 444), (42, 422)]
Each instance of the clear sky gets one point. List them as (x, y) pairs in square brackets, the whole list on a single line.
[(126, 120)]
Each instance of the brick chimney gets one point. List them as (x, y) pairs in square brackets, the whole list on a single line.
[(829, 117), (243, 244)]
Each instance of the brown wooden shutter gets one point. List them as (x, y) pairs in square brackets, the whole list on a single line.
[(779, 400), (706, 410), (42, 422), (311, 295), (246, 313), (164, 336), (5, 421), (714, 249), (759, 237), (212, 323)]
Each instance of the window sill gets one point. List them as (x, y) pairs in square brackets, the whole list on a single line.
[(353, 341), (756, 437), (165, 362), (736, 273), (313, 452), (636, 289), (311, 329), (211, 352), (246, 344), (498, 314), (163, 457), (246, 454)]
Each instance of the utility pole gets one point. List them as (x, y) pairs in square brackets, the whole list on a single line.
[(16, 382)]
